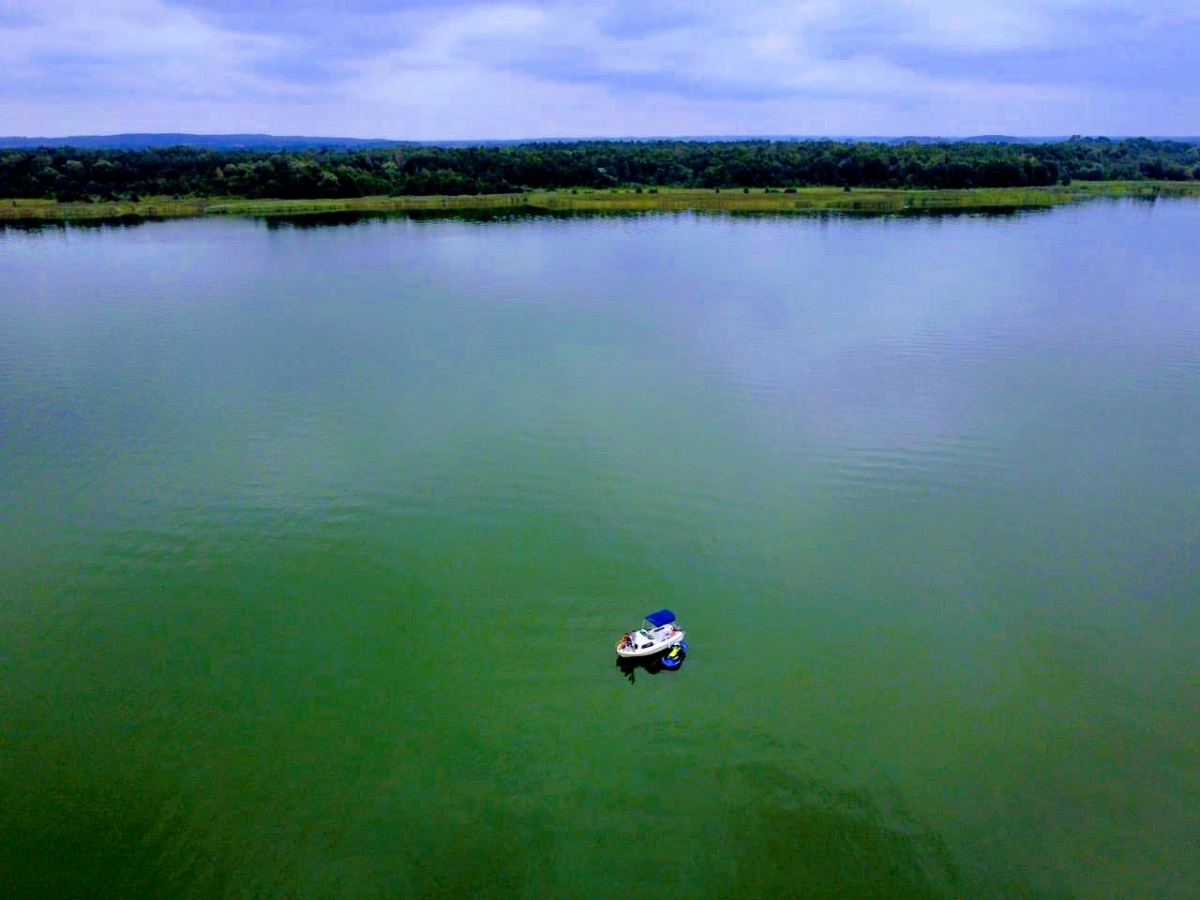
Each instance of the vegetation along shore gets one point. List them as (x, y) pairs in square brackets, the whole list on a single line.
[(813, 199), (65, 183)]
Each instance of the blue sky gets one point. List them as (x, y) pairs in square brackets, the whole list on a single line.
[(458, 69)]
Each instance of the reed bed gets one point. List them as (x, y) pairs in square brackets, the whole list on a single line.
[(757, 200)]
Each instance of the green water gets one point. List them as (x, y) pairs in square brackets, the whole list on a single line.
[(316, 539)]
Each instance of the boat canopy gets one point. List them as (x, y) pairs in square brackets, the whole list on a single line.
[(661, 618)]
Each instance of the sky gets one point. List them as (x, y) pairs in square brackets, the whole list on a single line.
[(477, 69)]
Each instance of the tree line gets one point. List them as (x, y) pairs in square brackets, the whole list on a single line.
[(72, 174)]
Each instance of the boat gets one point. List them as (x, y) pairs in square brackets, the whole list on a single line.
[(658, 633), (674, 657)]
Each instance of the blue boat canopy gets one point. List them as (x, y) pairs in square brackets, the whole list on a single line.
[(661, 618)]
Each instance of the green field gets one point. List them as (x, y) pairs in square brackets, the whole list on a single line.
[(861, 200)]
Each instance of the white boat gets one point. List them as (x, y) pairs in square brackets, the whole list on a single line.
[(658, 633)]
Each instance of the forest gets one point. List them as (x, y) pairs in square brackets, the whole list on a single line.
[(68, 174)]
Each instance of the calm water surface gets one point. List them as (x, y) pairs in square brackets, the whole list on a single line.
[(315, 541)]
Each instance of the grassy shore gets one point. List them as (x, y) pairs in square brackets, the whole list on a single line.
[(859, 200)]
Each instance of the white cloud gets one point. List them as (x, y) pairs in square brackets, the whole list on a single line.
[(549, 67)]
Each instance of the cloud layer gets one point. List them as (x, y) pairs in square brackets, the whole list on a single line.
[(454, 69)]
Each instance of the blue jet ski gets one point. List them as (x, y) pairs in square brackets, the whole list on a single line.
[(674, 657)]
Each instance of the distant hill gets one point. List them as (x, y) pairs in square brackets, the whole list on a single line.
[(974, 139), (204, 141), (270, 143), (140, 141)]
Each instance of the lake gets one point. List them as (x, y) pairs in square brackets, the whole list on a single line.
[(317, 536)]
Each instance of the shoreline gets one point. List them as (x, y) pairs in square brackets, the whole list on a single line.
[(879, 201)]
